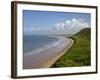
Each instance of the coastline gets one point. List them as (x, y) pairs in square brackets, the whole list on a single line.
[(50, 62), (47, 58)]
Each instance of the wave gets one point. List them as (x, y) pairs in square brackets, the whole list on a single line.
[(45, 47)]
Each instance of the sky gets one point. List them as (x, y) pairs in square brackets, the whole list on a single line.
[(51, 22)]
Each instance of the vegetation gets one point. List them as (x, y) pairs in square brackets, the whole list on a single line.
[(79, 54)]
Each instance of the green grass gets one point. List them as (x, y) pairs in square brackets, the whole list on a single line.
[(79, 54)]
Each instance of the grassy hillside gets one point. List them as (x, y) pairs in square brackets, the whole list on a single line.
[(79, 54)]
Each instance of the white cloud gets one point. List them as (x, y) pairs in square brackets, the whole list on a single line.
[(60, 26), (68, 22), (67, 27), (29, 28), (37, 30), (71, 26)]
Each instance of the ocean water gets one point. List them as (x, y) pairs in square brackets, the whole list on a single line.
[(33, 44)]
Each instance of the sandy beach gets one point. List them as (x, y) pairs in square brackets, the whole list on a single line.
[(47, 57)]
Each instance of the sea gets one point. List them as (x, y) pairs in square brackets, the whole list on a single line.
[(33, 44)]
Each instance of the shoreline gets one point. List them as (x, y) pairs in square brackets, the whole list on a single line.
[(47, 58), (53, 60)]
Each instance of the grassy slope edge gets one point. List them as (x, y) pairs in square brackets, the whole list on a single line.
[(79, 54)]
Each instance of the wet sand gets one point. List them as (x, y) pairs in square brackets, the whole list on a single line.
[(48, 57)]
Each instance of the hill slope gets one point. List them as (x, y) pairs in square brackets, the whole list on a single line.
[(83, 33), (79, 54)]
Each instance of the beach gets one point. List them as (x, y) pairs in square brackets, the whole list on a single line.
[(47, 57)]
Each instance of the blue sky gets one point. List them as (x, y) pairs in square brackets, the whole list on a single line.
[(49, 22)]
